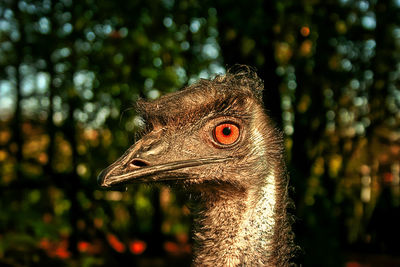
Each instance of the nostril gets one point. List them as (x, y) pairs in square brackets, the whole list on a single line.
[(139, 163)]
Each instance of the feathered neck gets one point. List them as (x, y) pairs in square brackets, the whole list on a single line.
[(235, 229), (244, 228)]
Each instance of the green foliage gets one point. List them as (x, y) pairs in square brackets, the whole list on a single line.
[(72, 71)]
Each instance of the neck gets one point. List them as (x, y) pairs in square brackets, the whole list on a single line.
[(248, 225), (239, 226)]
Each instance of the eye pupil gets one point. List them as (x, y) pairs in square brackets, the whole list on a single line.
[(226, 131)]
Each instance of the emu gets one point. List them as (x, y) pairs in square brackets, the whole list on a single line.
[(214, 139)]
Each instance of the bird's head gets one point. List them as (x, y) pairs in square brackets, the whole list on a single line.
[(212, 132)]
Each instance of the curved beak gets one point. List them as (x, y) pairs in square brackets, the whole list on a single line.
[(147, 161), (116, 175)]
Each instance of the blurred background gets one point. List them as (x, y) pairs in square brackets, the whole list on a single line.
[(70, 72)]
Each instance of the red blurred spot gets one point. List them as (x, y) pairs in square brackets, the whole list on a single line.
[(44, 244), (62, 249), (83, 246), (171, 247), (387, 177), (62, 253), (93, 247), (137, 247), (305, 31), (117, 245), (55, 249), (353, 264)]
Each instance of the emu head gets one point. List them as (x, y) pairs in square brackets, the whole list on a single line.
[(211, 134)]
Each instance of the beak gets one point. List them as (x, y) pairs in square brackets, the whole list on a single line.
[(112, 176), (134, 166)]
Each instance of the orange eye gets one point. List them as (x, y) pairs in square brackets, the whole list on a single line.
[(226, 133)]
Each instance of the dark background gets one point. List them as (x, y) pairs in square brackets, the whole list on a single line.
[(70, 72)]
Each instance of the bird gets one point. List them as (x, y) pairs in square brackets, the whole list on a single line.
[(214, 140)]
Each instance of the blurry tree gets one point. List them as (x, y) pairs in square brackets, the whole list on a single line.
[(252, 43), (71, 71), (331, 71)]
